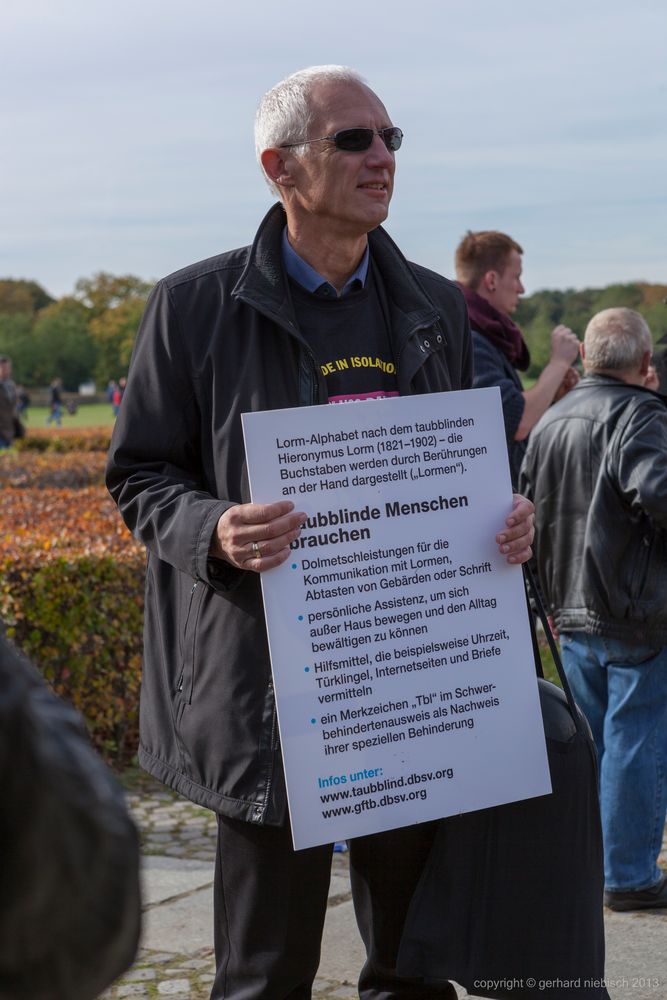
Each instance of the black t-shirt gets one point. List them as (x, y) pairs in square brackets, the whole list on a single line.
[(349, 338)]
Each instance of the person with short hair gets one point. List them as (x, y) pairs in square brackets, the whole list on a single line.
[(596, 468), (255, 329), (488, 269)]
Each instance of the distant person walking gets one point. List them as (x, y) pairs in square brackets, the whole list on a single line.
[(22, 402), (116, 396), (596, 469), (56, 412), (488, 269), (9, 418)]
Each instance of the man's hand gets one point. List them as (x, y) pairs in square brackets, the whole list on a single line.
[(552, 628), (564, 345), (516, 539), (570, 379), (537, 399), (257, 536)]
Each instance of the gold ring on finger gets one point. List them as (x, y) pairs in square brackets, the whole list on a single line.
[(256, 551)]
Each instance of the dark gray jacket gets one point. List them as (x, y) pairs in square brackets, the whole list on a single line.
[(69, 851), (493, 368), (219, 339), (596, 469)]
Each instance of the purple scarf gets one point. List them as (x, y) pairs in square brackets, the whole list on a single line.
[(497, 328)]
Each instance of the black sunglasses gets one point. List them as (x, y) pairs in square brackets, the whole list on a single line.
[(356, 140)]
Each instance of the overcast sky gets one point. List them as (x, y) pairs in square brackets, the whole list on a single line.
[(127, 128)]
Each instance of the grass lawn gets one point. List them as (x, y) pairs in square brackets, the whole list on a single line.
[(550, 672), (88, 415)]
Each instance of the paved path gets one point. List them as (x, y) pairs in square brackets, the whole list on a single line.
[(176, 955)]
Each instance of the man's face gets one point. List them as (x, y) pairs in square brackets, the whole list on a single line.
[(348, 193), (5, 370), (507, 287)]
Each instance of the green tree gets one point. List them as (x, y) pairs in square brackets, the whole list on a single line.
[(539, 313), (107, 291), (17, 342), (113, 333), (656, 317), (64, 345), (20, 296), (20, 302), (115, 304)]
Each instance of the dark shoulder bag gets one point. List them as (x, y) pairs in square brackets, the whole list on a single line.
[(510, 901)]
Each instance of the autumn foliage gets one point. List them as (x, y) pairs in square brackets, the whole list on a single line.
[(43, 469), (65, 439), (71, 588)]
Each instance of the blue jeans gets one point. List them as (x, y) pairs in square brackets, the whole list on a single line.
[(55, 416), (622, 690)]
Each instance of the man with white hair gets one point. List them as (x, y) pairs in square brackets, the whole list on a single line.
[(596, 468), (269, 326)]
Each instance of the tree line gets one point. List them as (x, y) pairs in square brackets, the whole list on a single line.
[(79, 337), (539, 313), (89, 334)]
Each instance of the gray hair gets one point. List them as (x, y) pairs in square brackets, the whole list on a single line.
[(616, 340), (284, 114)]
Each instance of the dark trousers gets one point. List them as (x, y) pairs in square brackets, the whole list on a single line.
[(270, 902)]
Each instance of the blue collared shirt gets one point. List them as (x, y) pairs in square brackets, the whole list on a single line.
[(310, 279)]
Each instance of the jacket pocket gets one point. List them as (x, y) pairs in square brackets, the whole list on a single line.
[(641, 564), (186, 681)]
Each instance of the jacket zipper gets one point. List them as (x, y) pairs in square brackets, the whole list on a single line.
[(179, 685), (199, 601)]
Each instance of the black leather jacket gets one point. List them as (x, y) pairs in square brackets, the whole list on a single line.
[(219, 339), (596, 469)]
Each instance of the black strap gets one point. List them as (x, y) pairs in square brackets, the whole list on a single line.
[(537, 601), (539, 670)]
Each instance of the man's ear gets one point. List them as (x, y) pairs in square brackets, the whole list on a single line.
[(489, 281), (276, 167), (582, 350), (645, 364)]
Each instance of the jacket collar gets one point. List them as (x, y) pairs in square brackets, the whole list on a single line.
[(263, 282), (594, 380)]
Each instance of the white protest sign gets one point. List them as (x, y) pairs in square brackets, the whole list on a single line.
[(399, 637)]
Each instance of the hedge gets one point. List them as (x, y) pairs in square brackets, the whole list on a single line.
[(71, 597), (82, 522), (65, 439), (40, 469)]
